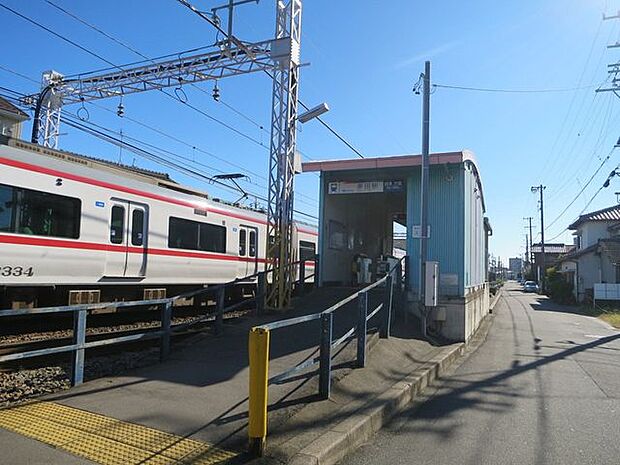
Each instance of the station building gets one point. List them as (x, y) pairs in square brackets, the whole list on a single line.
[(363, 202)]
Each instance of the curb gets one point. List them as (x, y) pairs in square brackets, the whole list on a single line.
[(346, 436)]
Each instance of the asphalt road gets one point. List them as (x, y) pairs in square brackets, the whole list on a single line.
[(543, 389)]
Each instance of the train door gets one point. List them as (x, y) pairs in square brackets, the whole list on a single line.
[(248, 250), (128, 232)]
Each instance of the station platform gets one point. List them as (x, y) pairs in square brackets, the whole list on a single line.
[(192, 409)]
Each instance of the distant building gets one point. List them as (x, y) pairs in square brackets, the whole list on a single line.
[(11, 119), (596, 257), (515, 265)]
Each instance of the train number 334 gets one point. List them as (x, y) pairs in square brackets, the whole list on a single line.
[(16, 271)]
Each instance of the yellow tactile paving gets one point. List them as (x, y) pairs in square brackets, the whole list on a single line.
[(106, 440)]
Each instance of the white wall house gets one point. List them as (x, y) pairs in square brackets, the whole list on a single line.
[(596, 258), (11, 119)]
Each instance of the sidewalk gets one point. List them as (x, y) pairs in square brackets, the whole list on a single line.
[(200, 394)]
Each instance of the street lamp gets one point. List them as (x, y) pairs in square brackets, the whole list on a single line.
[(313, 113)]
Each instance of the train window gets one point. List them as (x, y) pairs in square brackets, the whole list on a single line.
[(137, 227), (193, 235), (252, 243), (117, 224), (6, 208), (212, 238), (182, 234), (26, 211), (307, 250), (242, 234)]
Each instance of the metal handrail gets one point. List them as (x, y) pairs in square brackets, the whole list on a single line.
[(80, 312), (260, 340)]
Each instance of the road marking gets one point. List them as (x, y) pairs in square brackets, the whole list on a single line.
[(106, 440)]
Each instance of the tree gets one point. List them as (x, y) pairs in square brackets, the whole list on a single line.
[(558, 288)]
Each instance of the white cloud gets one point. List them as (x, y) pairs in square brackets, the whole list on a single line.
[(425, 55)]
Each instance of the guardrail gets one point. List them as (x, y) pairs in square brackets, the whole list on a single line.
[(164, 333), (260, 336)]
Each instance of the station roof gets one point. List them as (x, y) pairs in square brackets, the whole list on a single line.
[(394, 161)]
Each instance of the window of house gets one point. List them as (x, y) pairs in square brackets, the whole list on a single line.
[(26, 211)]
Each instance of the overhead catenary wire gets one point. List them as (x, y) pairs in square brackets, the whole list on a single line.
[(250, 138), (76, 123), (105, 134)]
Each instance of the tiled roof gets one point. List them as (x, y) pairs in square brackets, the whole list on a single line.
[(10, 108), (553, 248), (606, 214)]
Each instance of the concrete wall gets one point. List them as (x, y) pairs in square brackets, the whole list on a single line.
[(458, 318), (10, 127), (592, 231)]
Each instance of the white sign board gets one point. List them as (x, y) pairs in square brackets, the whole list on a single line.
[(365, 187), (416, 231)]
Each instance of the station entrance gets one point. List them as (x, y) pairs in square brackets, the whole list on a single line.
[(363, 225)]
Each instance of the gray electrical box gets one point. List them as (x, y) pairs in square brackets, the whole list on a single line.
[(431, 289)]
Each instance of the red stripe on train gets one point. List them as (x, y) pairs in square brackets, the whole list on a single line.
[(80, 245), (95, 182)]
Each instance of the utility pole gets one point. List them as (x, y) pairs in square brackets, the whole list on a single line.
[(540, 189), (530, 257), (426, 104), (527, 253)]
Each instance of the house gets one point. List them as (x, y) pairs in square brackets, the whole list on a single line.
[(596, 258), (363, 201), (11, 119), (553, 252)]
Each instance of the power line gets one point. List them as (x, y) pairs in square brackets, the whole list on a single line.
[(333, 131), (582, 190), (16, 98), (75, 122), (513, 91), (54, 33), (90, 52), (231, 128), (23, 76)]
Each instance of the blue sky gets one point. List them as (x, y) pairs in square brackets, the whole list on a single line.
[(364, 58)]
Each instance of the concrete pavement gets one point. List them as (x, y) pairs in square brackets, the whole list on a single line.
[(197, 400), (543, 389)]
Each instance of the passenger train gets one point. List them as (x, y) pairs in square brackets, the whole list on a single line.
[(75, 229)]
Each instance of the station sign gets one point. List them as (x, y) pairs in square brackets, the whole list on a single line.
[(365, 187)]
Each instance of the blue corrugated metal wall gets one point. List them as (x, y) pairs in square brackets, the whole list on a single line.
[(446, 217)]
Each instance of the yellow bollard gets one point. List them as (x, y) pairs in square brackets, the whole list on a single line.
[(259, 371)]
